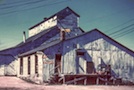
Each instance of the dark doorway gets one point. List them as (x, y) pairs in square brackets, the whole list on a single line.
[(36, 64), (29, 66), (58, 63), (90, 67), (21, 66)]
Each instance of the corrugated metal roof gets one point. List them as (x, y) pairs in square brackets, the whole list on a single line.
[(38, 35), (35, 37), (42, 47)]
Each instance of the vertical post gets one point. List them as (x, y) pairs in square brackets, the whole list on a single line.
[(24, 36), (113, 81), (85, 81), (64, 80), (75, 82), (97, 80), (106, 82), (40, 66)]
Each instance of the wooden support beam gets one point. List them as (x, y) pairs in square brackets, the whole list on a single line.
[(106, 83), (97, 80), (75, 81), (85, 81), (64, 81), (72, 81)]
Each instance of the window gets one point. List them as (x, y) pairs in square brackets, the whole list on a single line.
[(36, 64), (21, 65), (80, 53), (29, 66)]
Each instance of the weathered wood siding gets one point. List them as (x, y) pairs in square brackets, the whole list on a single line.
[(49, 61), (48, 70), (99, 49), (70, 22)]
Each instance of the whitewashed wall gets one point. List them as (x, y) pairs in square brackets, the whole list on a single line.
[(71, 22), (32, 58), (43, 26), (7, 65), (25, 66), (32, 76), (2, 70)]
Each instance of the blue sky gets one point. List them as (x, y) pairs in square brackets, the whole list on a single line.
[(113, 17)]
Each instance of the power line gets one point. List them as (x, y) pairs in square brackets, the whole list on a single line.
[(124, 33), (34, 7), (121, 24), (15, 2), (23, 4), (115, 32), (114, 13)]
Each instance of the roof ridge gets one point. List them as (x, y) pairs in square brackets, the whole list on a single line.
[(53, 16), (103, 35)]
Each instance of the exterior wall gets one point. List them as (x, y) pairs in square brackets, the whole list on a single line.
[(120, 61), (2, 70), (7, 64), (70, 22), (48, 69), (37, 78), (32, 57), (69, 63), (49, 60), (99, 49), (18, 67), (40, 67), (8, 56), (25, 66), (11, 68), (43, 26)]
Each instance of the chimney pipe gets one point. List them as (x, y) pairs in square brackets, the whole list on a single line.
[(24, 36), (62, 36)]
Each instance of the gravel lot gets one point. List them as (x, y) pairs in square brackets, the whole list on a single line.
[(14, 83)]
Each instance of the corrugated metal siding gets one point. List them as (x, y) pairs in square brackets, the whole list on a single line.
[(99, 47), (47, 71)]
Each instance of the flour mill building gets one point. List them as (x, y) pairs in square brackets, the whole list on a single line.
[(58, 50)]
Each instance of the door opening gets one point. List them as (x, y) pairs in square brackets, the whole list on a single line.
[(58, 63)]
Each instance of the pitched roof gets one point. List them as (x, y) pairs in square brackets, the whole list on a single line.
[(108, 38), (89, 32), (62, 12), (40, 48), (32, 38)]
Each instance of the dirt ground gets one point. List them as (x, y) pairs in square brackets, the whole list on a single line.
[(14, 83)]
